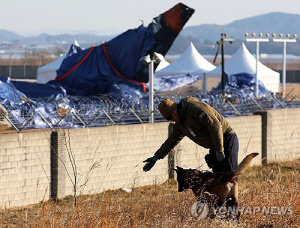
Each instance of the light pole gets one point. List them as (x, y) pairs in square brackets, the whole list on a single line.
[(257, 40), (25, 70), (146, 60), (10, 64), (284, 41), (221, 45)]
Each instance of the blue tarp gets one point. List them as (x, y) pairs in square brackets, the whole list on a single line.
[(98, 69), (171, 82), (8, 93), (33, 90), (113, 67), (242, 83)]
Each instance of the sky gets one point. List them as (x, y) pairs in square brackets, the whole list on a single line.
[(110, 17)]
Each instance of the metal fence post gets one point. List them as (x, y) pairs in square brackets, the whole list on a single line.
[(264, 136), (171, 156)]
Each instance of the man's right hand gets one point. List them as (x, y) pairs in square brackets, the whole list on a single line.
[(210, 160), (150, 162), (214, 159), (220, 156)]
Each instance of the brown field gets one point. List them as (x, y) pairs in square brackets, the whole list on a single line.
[(293, 89), (160, 205)]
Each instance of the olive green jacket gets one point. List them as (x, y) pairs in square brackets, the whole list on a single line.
[(201, 123)]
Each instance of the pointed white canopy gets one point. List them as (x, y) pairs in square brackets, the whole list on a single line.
[(190, 61), (243, 62), (48, 72), (163, 63)]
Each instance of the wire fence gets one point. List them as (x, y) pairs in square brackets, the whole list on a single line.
[(105, 110)]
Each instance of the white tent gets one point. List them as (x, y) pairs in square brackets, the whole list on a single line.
[(190, 61), (163, 63), (48, 72), (243, 62)]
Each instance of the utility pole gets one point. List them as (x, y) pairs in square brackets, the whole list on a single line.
[(221, 45)]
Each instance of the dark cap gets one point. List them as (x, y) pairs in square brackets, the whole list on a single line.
[(166, 107)]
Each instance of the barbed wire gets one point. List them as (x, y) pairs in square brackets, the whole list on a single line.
[(110, 109)]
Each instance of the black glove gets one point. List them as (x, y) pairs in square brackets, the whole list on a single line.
[(150, 162), (220, 156), (210, 161), (213, 159)]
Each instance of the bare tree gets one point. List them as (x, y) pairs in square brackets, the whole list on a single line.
[(75, 173)]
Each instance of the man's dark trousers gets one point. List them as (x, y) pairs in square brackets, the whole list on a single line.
[(231, 149)]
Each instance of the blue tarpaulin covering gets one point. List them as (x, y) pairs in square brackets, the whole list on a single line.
[(113, 67), (96, 70), (242, 83), (34, 90)]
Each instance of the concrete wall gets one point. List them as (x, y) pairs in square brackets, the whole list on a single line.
[(283, 134), (33, 163), (119, 152), (24, 167)]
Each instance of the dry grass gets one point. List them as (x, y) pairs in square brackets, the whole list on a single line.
[(275, 185), (293, 89)]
